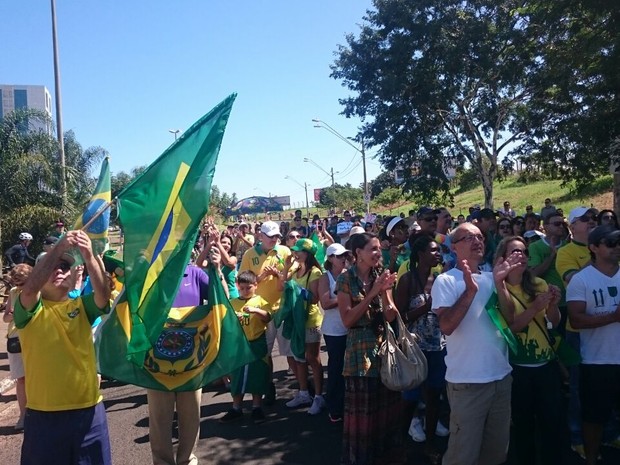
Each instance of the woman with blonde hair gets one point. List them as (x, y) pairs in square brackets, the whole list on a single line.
[(18, 276)]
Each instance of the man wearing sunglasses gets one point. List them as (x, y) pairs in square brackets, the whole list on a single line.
[(571, 258), (543, 254), (65, 417), (593, 306)]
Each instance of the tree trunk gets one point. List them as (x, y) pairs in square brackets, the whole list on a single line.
[(487, 187), (617, 193)]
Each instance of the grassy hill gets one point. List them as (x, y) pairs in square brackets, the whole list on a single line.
[(599, 194)]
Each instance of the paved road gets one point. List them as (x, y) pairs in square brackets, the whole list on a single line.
[(288, 437)]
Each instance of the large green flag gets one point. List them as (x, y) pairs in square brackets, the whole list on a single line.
[(195, 346), (160, 213), (98, 229)]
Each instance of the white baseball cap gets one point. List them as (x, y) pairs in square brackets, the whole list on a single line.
[(578, 212), (335, 249), (393, 222), (270, 229), (356, 230)]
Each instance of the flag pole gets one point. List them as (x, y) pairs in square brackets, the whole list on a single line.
[(98, 213)]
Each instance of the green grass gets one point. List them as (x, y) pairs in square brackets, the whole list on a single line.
[(519, 195)]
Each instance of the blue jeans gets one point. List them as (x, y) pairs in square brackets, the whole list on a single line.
[(336, 346)]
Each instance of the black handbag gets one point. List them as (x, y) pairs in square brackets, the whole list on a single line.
[(13, 346)]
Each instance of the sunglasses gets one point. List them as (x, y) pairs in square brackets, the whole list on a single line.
[(293, 236), (607, 218), (505, 226), (429, 218), (63, 266), (524, 252), (519, 223), (557, 223), (613, 243), (587, 218)]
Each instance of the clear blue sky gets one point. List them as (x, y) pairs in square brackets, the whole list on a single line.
[(132, 70)]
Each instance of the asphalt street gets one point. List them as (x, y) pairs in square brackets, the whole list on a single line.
[(287, 437)]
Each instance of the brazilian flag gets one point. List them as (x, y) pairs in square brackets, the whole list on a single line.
[(160, 213), (98, 229), (195, 346)]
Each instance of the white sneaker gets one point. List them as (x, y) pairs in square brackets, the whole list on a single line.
[(441, 430), (299, 400), (317, 405), (416, 431)]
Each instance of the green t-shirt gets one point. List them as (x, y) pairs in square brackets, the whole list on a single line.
[(539, 252)]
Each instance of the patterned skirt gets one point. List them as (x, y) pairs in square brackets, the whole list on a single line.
[(373, 431)]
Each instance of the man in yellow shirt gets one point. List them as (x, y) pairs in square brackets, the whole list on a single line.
[(570, 259), (65, 418), (266, 259)]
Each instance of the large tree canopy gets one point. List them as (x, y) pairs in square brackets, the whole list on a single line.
[(441, 82)]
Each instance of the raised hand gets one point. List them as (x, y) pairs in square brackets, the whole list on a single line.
[(503, 267), (470, 283)]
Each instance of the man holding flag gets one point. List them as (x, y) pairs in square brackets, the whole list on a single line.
[(65, 418)]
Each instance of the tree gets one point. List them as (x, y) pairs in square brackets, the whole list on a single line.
[(441, 82), (384, 181), (388, 197), (578, 117), (342, 196), (31, 176)]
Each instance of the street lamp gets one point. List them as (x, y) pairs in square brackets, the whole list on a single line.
[(330, 174), (305, 186), (175, 132), (360, 149)]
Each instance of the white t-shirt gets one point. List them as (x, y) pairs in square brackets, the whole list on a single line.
[(476, 351), (600, 292), (332, 321)]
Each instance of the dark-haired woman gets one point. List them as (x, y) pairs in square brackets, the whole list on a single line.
[(504, 227), (537, 382), (413, 299), (518, 226), (608, 217), (373, 415)]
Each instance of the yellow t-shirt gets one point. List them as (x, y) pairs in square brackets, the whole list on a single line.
[(252, 325), (315, 317), (571, 257), (534, 346), (256, 260), (406, 265), (58, 352)]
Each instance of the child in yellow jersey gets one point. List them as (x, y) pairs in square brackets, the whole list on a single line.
[(254, 313)]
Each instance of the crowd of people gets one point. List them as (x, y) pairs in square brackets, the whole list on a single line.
[(514, 314)]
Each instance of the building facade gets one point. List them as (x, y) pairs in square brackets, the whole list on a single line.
[(16, 97)]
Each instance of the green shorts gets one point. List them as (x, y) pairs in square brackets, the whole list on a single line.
[(253, 378)]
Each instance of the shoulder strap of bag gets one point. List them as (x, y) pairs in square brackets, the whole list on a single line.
[(545, 331)]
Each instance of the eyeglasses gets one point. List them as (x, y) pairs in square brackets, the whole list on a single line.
[(587, 218), (470, 238), (63, 266), (524, 252), (429, 218)]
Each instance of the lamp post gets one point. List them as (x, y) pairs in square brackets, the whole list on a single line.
[(305, 186), (61, 143), (330, 174), (360, 149), (175, 132)]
